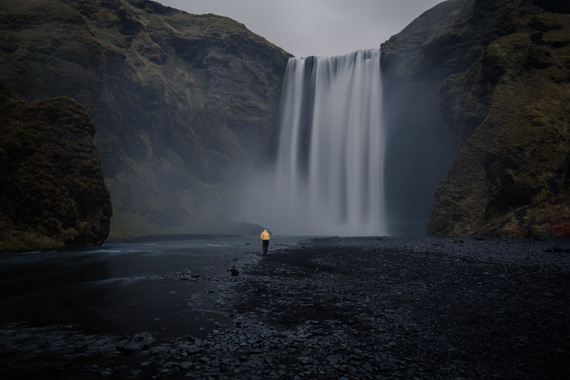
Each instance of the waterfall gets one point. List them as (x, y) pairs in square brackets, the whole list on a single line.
[(328, 178), (330, 161)]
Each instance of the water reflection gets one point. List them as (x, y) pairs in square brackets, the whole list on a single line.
[(123, 287)]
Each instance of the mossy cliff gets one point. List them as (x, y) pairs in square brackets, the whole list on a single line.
[(502, 70), (182, 103), (52, 192)]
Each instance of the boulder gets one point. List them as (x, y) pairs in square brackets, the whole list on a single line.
[(52, 193)]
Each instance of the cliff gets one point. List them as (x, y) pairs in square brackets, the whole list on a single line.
[(501, 72), (52, 193), (183, 103)]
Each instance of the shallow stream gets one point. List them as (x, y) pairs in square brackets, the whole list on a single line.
[(123, 288)]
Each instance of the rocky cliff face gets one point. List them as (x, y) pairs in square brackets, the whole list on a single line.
[(182, 103), (52, 192), (502, 70)]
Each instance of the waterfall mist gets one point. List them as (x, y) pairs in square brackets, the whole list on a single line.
[(328, 175)]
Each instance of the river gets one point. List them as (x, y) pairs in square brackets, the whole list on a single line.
[(125, 287)]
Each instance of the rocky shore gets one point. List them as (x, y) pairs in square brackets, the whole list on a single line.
[(345, 308)]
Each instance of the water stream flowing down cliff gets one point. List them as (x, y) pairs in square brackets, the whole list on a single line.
[(328, 178)]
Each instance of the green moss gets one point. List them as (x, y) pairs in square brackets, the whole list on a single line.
[(506, 177), (154, 81), (52, 191)]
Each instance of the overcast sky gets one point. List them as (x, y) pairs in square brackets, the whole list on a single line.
[(316, 27)]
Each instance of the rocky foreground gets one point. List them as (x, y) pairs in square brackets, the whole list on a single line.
[(346, 308)]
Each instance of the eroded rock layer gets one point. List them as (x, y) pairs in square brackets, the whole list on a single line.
[(183, 103), (502, 70), (52, 192)]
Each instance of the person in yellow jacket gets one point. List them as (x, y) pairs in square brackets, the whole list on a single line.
[(265, 239)]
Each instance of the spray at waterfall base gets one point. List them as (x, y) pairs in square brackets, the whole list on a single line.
[(329, 173)]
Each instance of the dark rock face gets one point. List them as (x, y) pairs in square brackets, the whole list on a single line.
[(501, 72), (419, 143), (52, 192), (183, 104), (560, 6)]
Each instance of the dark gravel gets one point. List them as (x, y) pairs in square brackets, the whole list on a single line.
[(347, 308)]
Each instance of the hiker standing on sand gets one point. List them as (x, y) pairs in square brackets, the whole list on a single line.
[(265, 239)]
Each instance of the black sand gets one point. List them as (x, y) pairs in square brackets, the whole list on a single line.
[(387, 308)]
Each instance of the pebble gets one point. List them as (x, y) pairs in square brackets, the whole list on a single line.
[(430, 309)]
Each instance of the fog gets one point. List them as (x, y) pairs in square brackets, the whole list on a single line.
[(328, 176), (335, 171)]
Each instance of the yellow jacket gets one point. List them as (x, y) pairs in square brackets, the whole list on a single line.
[(265, 235)]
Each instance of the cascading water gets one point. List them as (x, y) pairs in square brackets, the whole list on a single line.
[(328, 178)]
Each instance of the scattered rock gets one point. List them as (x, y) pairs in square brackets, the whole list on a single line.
[(429, 309), (139, 342)]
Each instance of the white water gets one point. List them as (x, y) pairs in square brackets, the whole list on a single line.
[(329, 174)]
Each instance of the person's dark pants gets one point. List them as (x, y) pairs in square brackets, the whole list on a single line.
[(265, 246)]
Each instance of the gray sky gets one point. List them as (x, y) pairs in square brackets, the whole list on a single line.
[(316, 27)]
